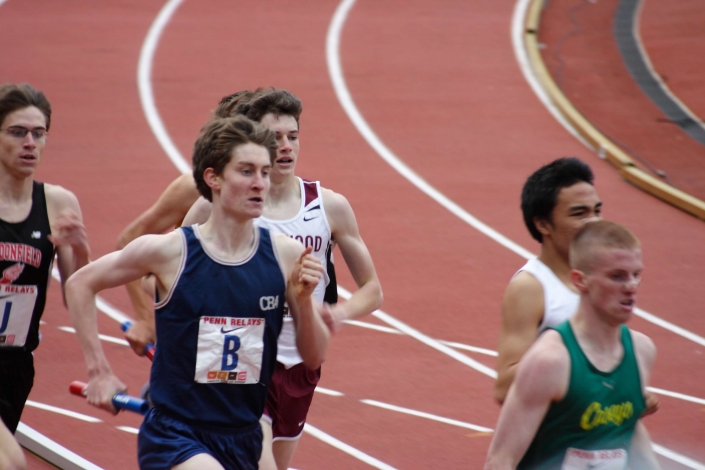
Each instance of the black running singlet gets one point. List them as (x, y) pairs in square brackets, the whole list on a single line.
[(26, 258)]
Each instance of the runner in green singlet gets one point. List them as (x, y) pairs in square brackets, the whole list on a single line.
[(578, 395)]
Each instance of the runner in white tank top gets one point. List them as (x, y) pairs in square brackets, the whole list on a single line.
[(560, 303), (556, 201), (310, 227)]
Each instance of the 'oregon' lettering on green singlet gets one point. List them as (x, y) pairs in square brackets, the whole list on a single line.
[(595, 415)]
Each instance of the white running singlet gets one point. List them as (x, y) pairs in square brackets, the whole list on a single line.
[(560, 303), (310, 227)]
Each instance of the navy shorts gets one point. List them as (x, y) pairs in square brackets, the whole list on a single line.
[(164, 442), (289, 398)]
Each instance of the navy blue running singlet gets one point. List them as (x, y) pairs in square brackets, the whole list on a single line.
[(218, 327)]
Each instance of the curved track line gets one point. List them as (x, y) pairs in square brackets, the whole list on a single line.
[(49, 450), (335, 69), (144, 82), (346, 101), (525, 66), (328, 439)]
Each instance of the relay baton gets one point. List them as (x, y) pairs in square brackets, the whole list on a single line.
[(149, 347), (120, 400)]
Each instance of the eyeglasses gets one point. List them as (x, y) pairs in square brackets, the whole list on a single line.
[(21, 132)]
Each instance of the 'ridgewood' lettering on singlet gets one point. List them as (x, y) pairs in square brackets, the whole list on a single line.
[(313, 241)]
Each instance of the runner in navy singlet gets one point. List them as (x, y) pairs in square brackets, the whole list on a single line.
[(221, 288), (319, 218), (37, 220)]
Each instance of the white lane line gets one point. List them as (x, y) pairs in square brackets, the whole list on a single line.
[(522, 58), (680, 396), (327, 391), (114, 313), (144, 84), (129, 429), (345, 294), (406, 329), (336, 74), (51, 451), (372, 326), (346, 101), (676, 457), (452, 344), (109, 339), (467, 347), (61, 411), (330, 440), (421, 414)]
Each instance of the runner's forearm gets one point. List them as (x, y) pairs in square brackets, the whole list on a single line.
[(364, 301), (312, 334)]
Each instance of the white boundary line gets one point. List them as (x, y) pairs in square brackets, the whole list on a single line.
[(49, 450), (62, 411), (327, 391), (348, 105), (346, 101), (109, 339), (680, 396), (144, 80), (328, 439), (111, 311), (156, 124), (435, 344), (681, 459), (518, 42), (522, 58), (421, 414)]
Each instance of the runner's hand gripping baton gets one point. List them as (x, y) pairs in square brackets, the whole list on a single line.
[(149, 347), (120, 400)]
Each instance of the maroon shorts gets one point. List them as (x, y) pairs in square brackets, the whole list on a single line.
[(289, 398)]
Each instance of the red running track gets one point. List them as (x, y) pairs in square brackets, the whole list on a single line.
[(439, 84)]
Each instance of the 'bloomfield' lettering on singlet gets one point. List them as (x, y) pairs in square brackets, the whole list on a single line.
[(26, 258), (560, 303), (594, 423), (310, 227), (222, 319)]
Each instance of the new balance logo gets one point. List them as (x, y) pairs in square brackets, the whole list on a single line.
[(269, 302), (36, 235)]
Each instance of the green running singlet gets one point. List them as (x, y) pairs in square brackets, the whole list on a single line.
[(593, 425)]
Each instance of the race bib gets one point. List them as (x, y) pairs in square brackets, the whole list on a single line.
[(613, 459), (229, 350), (16, 308)]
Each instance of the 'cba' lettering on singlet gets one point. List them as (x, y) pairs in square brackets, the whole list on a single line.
[(612, 459), (230, 349), (16, 307)]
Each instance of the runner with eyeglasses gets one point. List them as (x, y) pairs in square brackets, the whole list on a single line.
[(37, 221)]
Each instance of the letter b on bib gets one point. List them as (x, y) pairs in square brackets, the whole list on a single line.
[(230, 347)]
